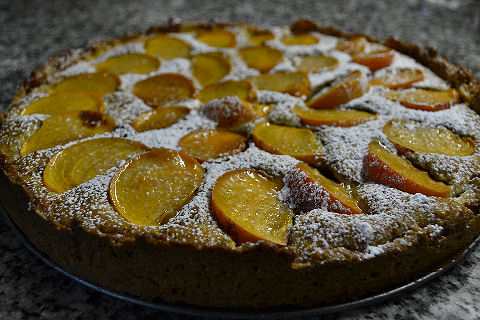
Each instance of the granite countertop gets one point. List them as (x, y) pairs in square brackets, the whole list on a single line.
[(33, 31)]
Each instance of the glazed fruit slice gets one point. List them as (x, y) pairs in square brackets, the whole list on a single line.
[(352, 86), (305, 39), (63, 128), (218, 38), (164, 88), (294, 83), (262, 58), (410, 135), (242, 89), (428, 100), (66, 102), (317, 63), (167, 47), (212, 143), (210, 67), (129, 63), (257, 36), (150, 188), (375, 60), (101, 83), (309, 190), (352, 46), (229, 111), (81, 162), (398, 79), (338, 118), (246, 206), (298, 143), (159, 118), (383, 167)]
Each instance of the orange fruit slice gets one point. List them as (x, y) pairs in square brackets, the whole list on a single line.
[(428, 100), (210, 67), (386, 168), (129, 63), (317, 63), (375, 60), (229, 111), (352, 86), (159, 118), (294, 83), (150, 188), (329, 117), (164, 88), (262, 58), (257, 36), (246, 206), (298, 143), (63, 128), (398, 79), (101, 83), (352, 46), (305, 39), (81, 162), (242, 89), (410, 135), (218, 38), (66, 102), (167, 47), (309, 190), (212, 143)]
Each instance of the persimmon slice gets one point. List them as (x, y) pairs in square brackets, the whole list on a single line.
[(229, 111), (317, 63), (66, 102), (101, 83), (352, 86), (262, 58), (129, 63), (164, 88), (410, 135), (218, 38), (352, 46), (386, 168), (246, 206), (63, 128), (168, 48), (150, 188), (294, 83), (212, 143), (333, 117), (305, 39), (82, 161), (258, 37), (242, 89), (309, 190), (398, 78), (375, 60), (428, 100), (210, 67), (295, 142), (159, 118)]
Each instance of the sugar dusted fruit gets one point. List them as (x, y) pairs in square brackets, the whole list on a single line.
[(294, 83), (66, 102), (242, 89), (316, 63), (129, 63), (230, 111), (218, 38), (305, 39), (159, 118), (246, 206), (333, 117), (375, 60), (83, 161), (398, 78), (100, 83), (150, 188), (262, 58), (210, 68), (421, 99), (168, 48)]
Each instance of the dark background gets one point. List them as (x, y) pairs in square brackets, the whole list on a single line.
[(31, 32)]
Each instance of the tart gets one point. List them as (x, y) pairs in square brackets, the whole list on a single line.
[(220, 165)]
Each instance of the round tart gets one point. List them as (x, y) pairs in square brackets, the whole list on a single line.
[(223, 165)]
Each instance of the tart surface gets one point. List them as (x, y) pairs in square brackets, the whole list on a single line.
[(384, 198)]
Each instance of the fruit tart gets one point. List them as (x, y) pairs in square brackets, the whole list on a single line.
[(223, 165)]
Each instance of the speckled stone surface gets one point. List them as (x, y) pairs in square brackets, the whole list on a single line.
[(33, 31)]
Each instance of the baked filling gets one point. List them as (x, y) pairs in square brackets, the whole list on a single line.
[(333, 151)]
